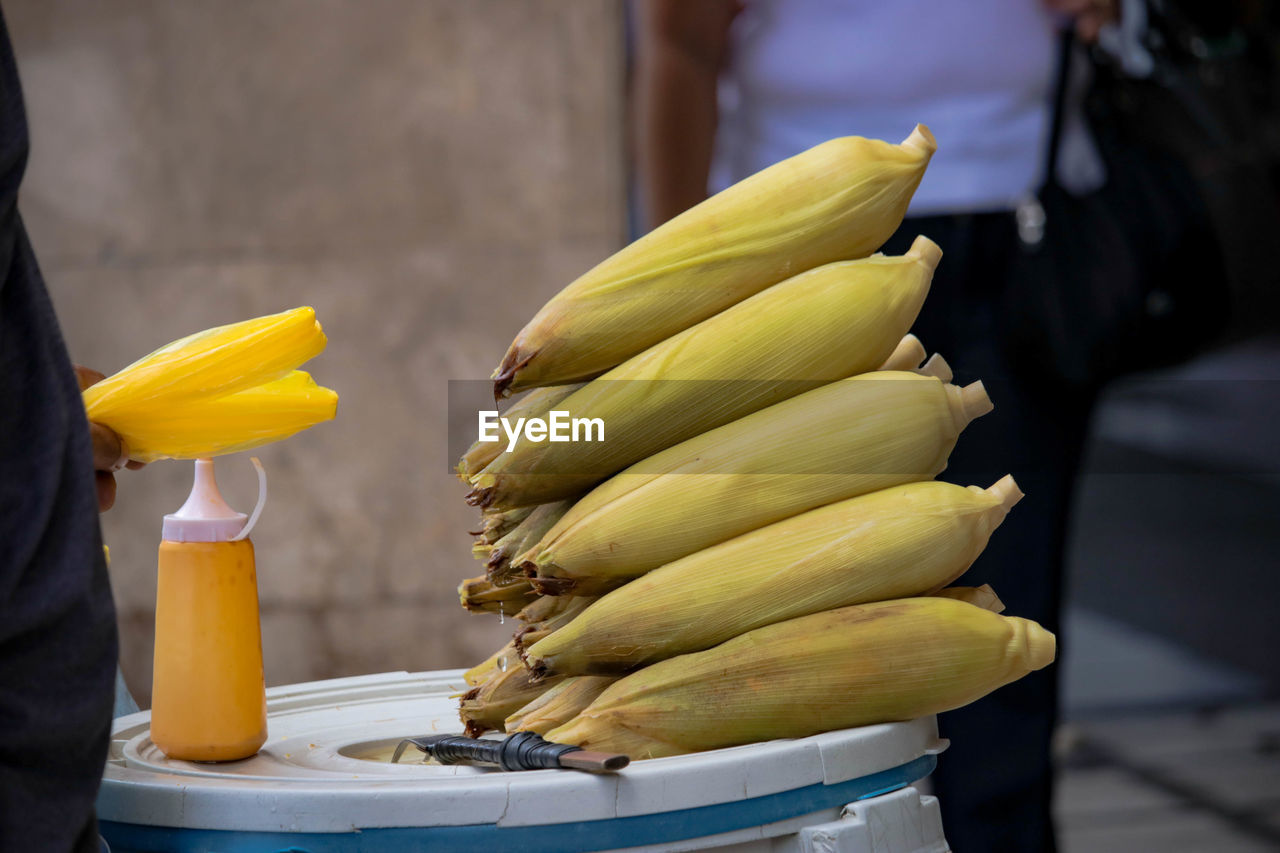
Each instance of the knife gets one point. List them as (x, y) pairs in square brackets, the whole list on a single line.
[(520, 751)]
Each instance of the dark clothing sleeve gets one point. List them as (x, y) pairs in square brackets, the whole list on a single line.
[(57, 622)]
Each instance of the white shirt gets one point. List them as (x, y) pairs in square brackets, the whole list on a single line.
[(979, 73)]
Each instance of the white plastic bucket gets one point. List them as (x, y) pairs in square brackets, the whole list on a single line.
[(305, 791)]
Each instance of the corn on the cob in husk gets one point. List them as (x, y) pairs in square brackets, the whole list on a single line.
[(979, 596), (501, 684), (501, 660), (496, 523), (537, 631), (903, 541), (839, 200), (549, 607), (854, 666), (562, 616), (529, 635), (558, 705), (480, 595), (536, 404), (487, 705), (541, 616), (853, 313), (936, 367), (481, 549), (845, 439), (528, 533), (907, 355)]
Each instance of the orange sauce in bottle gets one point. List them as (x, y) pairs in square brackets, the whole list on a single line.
[(208, 699)]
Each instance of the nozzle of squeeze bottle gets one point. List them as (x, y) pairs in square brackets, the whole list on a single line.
[(206, 516)]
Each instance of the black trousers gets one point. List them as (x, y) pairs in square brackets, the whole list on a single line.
[(994, 783)]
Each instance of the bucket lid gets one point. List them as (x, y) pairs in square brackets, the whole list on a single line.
[(307, 780)]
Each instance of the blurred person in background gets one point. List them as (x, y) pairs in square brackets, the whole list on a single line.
[(57, 619), (723, 89)]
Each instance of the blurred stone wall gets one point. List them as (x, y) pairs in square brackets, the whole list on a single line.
[(424, 172)]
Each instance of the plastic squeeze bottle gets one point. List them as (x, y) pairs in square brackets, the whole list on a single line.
[(208, 699)]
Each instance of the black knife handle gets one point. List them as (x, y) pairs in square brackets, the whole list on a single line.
[(520, 751), (528, 751)]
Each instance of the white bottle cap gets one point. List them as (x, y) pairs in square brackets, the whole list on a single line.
[(205, 517)]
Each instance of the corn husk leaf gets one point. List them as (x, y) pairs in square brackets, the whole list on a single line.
[(853, 666), (558, 705), (839, 200), (480, 595), (903, 541), (537, 403), (853, 313), (487, 705), (979, 596), (848, 438)]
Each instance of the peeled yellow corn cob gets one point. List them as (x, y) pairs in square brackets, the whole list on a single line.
[(228, 424), (848, 438), (852, 315), (537, 403), (903, 541), (218, 391), (225, 359), (870, 663), (558, 705), (841, 199), (480, 595)]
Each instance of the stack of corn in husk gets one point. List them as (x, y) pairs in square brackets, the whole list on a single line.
[(758, 549)]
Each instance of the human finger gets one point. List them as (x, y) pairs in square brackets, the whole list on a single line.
[(106, 485), (108, 450), (87, 376)]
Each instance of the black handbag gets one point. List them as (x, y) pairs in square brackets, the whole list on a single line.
[(1134, 276)]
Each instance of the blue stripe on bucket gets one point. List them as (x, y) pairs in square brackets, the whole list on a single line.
[(546, 838)]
